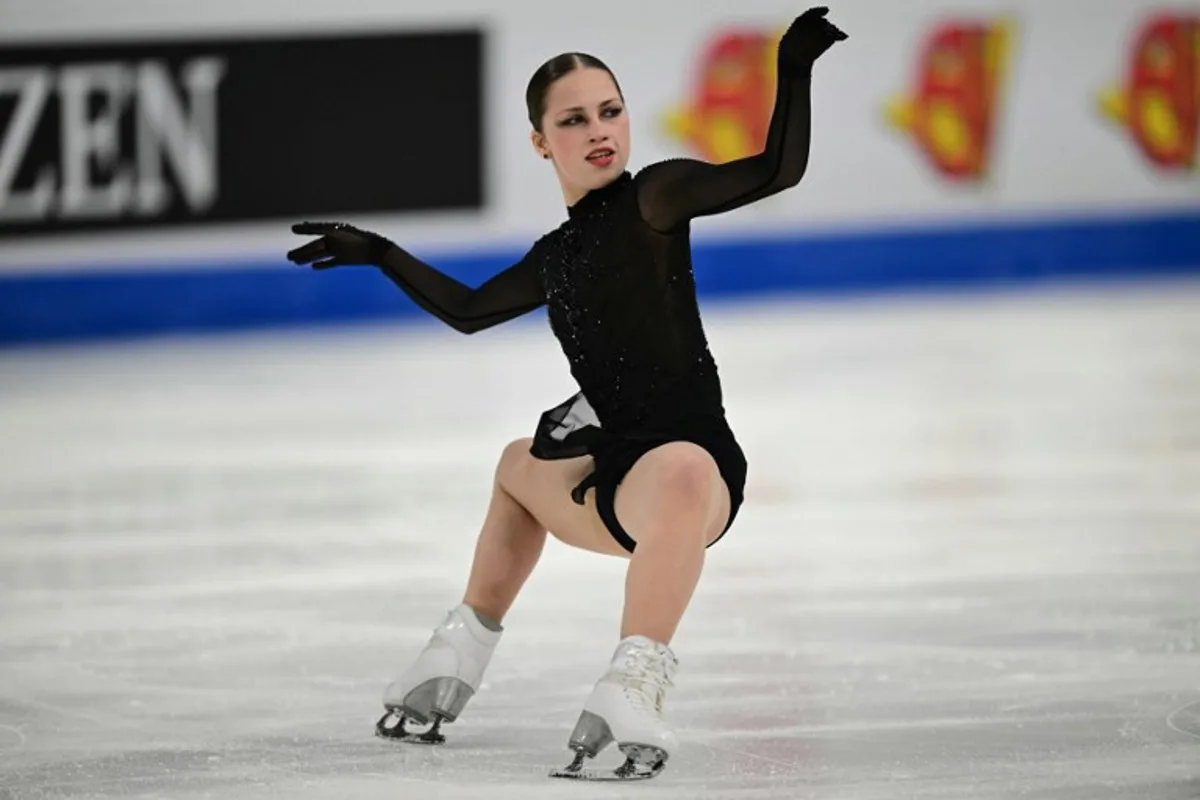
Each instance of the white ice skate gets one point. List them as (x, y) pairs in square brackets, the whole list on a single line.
[(626, 707), (439, 683)]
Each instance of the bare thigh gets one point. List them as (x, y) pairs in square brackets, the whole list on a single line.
[(543, 488)]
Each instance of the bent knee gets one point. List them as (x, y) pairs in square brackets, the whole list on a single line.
[(675, 490), (514, 462), (684, 471)]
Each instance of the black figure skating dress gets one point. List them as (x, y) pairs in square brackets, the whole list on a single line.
[(617, 281)]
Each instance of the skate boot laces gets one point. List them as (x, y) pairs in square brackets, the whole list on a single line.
[(646, 670)]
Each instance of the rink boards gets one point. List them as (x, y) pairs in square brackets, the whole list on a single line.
[(954, 146), (189, 300)]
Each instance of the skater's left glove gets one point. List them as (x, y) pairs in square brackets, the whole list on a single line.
[(340, 245), (807, 39)]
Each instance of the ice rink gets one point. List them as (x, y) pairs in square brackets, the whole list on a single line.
[(968, 565)]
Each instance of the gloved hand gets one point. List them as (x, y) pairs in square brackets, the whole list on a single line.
[(807, 39), (340, 244)]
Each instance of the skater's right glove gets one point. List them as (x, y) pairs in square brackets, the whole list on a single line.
[(807, 39), (340, 245)]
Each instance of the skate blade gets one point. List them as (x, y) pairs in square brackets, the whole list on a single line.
[(391, 726), (642, 762)]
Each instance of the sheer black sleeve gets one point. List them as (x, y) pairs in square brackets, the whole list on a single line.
[(515, 291), (674, 191)]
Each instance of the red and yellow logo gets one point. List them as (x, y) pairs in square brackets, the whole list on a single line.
[(951, 113), (1159, 102), (732, 97)]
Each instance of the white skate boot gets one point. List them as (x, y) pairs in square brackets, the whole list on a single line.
[(439, 683), (626, 707)]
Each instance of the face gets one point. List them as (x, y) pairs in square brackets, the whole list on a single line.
[(585, 131)]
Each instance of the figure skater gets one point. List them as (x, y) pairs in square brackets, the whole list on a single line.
[(640, 463)]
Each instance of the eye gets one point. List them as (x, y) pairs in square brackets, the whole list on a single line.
[(571, 120), (613, 111)]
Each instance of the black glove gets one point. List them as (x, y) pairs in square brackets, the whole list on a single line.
[(807, 39), (340, 245)]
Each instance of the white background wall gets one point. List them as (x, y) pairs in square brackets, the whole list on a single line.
[(1055, 152)]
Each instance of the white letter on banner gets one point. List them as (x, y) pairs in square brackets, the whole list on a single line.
[(33, 84), (83, 138), (188, 140)]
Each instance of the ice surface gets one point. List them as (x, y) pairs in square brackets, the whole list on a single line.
[(968, 565)]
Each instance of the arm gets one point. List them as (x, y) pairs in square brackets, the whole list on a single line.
[(511, 293), (674, 191), (515, 291)]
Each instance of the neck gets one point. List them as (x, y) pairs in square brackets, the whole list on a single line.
[(572, 194)]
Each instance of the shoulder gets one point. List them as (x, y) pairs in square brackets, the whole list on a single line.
[(667, 169), (548, 241), (662, 190), (666, 181)]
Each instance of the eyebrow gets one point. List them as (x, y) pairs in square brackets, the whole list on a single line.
[(607, 102)]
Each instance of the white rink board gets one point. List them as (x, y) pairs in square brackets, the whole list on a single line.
[(1055, 155)]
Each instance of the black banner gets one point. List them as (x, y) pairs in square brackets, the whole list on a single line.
[(119, 135)]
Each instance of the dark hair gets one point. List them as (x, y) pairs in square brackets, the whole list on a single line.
[(562, 64)]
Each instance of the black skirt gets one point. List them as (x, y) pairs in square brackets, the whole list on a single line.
[(572, 429)]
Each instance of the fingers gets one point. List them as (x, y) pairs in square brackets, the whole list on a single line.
[(308, 252), (815, 17), (322, 248), (315, 228), (829, 30)]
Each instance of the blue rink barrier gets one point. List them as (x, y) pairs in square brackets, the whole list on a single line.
[(84, 305)]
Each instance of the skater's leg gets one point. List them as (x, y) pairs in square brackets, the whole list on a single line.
[(530, 496), (509, 545), (673, 502)]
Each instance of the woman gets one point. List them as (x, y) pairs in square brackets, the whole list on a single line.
[(640, 463)]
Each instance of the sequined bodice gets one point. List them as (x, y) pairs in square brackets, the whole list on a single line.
[(621, 300)]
